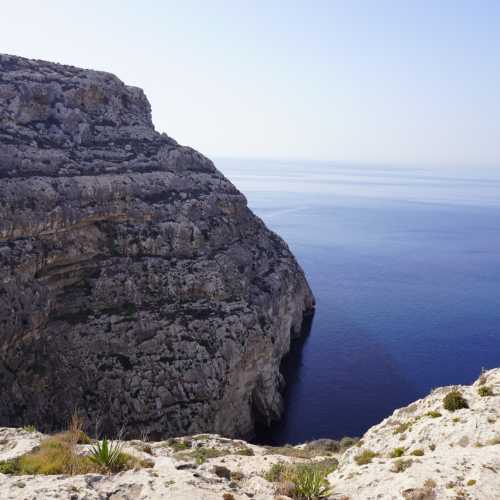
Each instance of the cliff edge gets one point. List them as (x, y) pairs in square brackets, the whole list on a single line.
[(135, 284), (421, 452)]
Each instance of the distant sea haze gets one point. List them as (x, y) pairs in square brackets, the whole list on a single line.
[(405, 266)]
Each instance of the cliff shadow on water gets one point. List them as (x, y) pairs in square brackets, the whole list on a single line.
[(290, 368)]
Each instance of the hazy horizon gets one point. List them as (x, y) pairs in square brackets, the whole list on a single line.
[(401, 83)]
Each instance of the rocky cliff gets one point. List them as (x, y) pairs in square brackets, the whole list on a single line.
[(135, 284)]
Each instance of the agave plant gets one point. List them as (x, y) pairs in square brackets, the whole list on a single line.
[(107, 454), (310, 484)]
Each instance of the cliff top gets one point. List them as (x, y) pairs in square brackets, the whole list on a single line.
[(422, 451)]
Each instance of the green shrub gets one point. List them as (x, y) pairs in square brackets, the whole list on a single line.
[(310, 483), (454, 401), (485, 391), (418, 452), (9, 466), (471, 482), (29, 428), (433, 414), (397, 452), (365, 457)]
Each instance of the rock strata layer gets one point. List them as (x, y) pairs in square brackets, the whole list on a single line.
[(135, 284)]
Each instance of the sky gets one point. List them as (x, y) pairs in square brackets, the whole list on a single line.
[(406, 82)]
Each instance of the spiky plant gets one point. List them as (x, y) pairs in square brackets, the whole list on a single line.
[(108, 455)]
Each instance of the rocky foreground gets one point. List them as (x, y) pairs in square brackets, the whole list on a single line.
[(135, 283), (422, 451)]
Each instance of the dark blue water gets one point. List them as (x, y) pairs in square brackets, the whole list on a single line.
[(405, 267)]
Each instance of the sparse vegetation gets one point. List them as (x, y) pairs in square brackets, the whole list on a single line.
[(430, 484), (317, 448), (402, 428), (8, 466), (202, 454), (29, 428), (276, 472), (55, 455), (179, 444), (365, 457), (418, 452), (471, 482), (454, 401), (433, 414), (245, 451), (485, 391), (397, 452), (401, 465)]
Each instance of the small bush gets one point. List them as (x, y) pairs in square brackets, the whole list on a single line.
[(403, 427), (485, 391), (347, 442), (323, 447), (276, 473), (245, 451), (454, 401), (430, 484), (418, 452), (433, 414), (179, 444), (9, 466), (471, 482), (397, 452), (29, 428), (365, 457), (401, 465)]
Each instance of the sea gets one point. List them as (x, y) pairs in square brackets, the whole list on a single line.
[(404, 263)]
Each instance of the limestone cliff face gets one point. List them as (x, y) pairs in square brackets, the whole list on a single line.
[(135, 284)]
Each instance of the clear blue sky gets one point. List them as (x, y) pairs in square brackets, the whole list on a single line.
[(405, 82)]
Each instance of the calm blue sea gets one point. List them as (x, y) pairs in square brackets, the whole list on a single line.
[(405, 267)]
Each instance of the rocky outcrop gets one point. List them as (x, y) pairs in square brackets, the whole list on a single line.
[(425, 452), (135, 284)]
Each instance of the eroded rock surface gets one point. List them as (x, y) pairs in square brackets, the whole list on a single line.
[(135, 284)]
